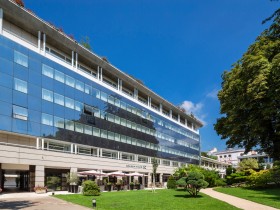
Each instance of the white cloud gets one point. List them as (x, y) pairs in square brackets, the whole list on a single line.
[(213, 94), (196, 109)]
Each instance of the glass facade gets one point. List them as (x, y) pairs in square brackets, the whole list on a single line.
[(44, 99)]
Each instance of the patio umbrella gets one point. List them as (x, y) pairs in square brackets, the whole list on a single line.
[(135, 174), (116, 173), (92, 172)]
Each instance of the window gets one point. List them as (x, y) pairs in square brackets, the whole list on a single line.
[(69, 125), (95, 131), (58, 99), (69, 103), (58, 122), (88, 89), (79, 127), (79, 85), (20, 59), (47, 95), (69, 81), (104, 134), (47, 71), (78, 106), (59, 76), (104, 96), (88, 130), (111, 135), (20, 112), (47, 119), (20, 85)]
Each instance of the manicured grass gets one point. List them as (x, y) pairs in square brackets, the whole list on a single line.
[(269, 197), (144, 199)]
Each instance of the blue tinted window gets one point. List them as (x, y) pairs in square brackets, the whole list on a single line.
[(58, 122), (19, 126), (79, 85), (69, 81), (20, 85), (34, 103), (59, 76), (6, 109), (20, 72), (34, 116), (47, 119), (6, 94), (34, 78), (47, 95), (20, 112), (20, 59), (34, 128), (58, 99), (19, 98), (69, 103), (88, 89), (47, 71)]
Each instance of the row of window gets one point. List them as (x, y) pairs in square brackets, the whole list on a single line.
[(62, 147), (90, 130), (89, 110), (64, 78)]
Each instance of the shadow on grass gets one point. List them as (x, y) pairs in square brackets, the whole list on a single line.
[(187, 196)]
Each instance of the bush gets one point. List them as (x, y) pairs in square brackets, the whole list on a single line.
[(220, 183), (90, 188), (171, 183), (193, 182), (260, 179)]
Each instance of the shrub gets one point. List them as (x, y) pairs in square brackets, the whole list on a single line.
[(193, 182), (260, 179), (220, 183), (171, 183), (90, 188)]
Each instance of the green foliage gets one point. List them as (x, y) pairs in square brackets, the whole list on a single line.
[(53, 181), (193, 183), (209, 156), (72, 178), (247, 164), (230, 170), (260, 179), (250, 96), (85, 41), (210, 176), (171, 183), (238, 177), (220, 183), (90, 188)]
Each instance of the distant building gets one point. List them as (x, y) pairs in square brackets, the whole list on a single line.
[(211, 164), (229, 156), (262, 157)]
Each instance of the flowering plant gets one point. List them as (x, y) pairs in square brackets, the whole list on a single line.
[(40, 188)]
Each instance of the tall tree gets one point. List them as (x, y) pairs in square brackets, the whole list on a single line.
[(155, 166), (250, 96)]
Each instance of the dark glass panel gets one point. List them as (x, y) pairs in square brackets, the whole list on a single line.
[(6, 123), (19, 98), (19, 126), (6, 66), (6, 80), (34, 103)]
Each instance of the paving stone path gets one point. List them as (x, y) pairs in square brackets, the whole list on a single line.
[(235, 201)]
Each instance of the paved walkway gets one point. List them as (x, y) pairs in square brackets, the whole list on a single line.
[(235, 201), (33, 201)]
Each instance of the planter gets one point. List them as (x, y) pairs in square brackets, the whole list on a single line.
[(109, 188), (40, 191), (137, 186)]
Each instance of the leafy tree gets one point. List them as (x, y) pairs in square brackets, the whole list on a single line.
[(250, 99), (53, 181), (249, 163), (155, 166), (193, 183), (90, 188), (171, 183)]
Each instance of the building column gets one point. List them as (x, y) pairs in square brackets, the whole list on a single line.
[(1, 177), (43, 144), (73, 170), (98, 155), (44, 42), (100, 152), (72, 148), (75, 149), (37, 143), (149, 101), (160, 107), (99, 73), (76, 60), (135, 93), (39, 41), (170, 113), (178, 118), (149, 179), (39, 175), (160, 178), (73, 58)]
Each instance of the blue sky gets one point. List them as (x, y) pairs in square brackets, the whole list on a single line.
[(179, 48)]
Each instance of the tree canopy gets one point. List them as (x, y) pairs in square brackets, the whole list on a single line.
[(250, 96)]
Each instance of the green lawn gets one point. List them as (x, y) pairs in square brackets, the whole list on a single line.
[(144, 199), (269, 197)]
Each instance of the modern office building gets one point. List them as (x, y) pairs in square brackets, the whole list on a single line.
[(64, 108)]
